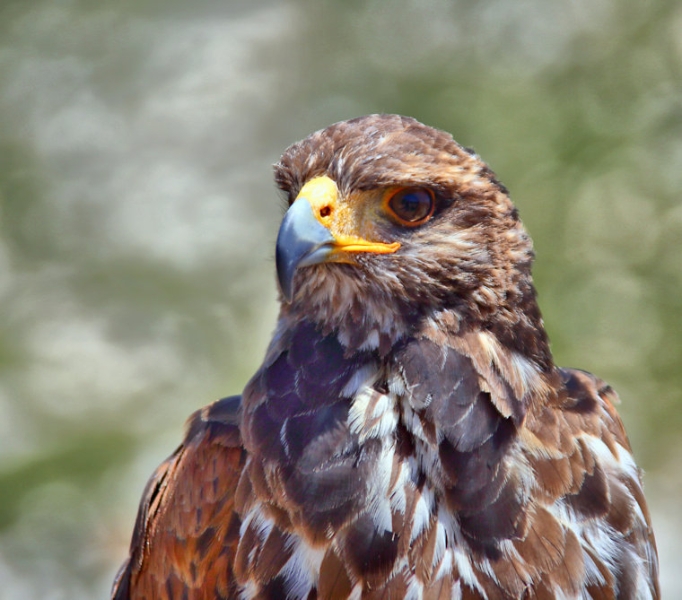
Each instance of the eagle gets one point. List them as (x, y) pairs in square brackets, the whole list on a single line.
[(408, 434)]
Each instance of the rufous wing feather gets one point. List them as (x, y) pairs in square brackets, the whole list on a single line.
[(186, 533)]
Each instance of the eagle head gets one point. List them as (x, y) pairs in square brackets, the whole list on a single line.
[(392, 223)]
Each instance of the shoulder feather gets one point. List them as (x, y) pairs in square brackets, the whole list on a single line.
[(186, 532)]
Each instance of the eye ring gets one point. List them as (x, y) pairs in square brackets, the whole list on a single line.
[(411, 206)]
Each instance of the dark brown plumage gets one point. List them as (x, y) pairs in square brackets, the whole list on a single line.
[(408, 434)]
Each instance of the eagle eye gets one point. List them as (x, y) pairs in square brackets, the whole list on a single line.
[(411, 206)]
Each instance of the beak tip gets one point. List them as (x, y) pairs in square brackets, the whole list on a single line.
[(286, 292), (301, 241), (285, 275)]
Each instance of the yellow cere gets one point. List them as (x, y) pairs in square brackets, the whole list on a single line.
[(322, 193)]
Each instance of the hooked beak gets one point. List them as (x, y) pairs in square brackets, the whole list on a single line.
[(314, 231), (302, 240)]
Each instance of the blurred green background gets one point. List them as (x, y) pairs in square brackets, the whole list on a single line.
[(138, 216)]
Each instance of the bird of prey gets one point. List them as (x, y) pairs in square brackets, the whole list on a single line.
[(408, 434)]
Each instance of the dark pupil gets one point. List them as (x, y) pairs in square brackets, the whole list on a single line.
[(412, 206)]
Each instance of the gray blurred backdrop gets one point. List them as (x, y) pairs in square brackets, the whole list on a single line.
[(138, 217)]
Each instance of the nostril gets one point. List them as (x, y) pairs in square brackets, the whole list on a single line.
[(325, 211)]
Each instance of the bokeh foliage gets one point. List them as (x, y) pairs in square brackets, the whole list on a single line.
[(137, 217)]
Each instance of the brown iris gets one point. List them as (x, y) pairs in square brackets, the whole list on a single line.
[(411, 206)]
